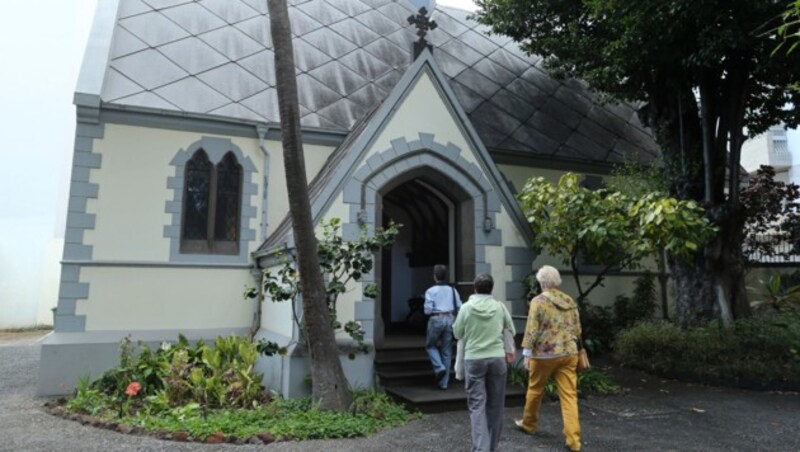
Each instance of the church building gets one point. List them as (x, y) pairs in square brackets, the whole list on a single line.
[(178, 198)]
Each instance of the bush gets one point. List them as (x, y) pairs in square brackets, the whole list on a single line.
[(601, 324), (598, 328), (178, 374), (755, 352), (640, 307), (592, 381)]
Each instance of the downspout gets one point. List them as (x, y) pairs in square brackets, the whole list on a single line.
[(257, 270)]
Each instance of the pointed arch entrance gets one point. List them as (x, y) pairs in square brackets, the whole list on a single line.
[(443, 175), (438, 218)]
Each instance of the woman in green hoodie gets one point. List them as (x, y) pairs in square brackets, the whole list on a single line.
[(480, 324)]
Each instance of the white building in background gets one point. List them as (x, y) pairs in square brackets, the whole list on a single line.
[(778, 148)]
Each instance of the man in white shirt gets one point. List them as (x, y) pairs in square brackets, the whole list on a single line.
[(441, 304)]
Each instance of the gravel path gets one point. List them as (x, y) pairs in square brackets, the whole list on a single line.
[(652, 415)]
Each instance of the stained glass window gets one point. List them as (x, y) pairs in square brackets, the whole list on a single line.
[(212, 198), (196, 197), (229, 183)]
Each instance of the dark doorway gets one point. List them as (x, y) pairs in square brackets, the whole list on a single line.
[(426, 239)]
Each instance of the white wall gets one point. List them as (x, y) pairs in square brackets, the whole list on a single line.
[(793, 139), (29, 271), (38, 123)]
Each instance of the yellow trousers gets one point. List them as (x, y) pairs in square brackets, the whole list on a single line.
[(564, 371)]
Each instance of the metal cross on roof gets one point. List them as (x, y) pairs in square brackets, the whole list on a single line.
[(423, 24)]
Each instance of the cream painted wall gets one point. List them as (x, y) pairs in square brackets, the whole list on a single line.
[(423, 111), (130, 206), (135, 298), (278, 197), (277, 316)]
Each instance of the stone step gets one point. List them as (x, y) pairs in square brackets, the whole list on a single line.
[(430, 399)]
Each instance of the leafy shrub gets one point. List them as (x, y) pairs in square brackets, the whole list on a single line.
[(641, 306), (781, 296), (88, 400), (598, 328), (601, 324), (221, 376), (765, 349), (517, 375), (592, 381), (289, 419)]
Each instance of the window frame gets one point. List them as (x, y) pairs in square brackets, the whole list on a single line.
[(211, 245)]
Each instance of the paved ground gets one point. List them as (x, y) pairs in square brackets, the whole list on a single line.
[(652, 415)]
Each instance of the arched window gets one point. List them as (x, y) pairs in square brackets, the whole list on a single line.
[(212, 205)]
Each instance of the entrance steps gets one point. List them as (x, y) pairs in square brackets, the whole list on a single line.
[(405, 373)]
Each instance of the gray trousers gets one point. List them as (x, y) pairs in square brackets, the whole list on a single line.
[(486, 396)]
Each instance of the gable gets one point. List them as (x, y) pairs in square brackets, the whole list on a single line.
[(420, 116)]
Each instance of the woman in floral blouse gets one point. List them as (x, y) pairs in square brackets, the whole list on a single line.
[(550, 348)]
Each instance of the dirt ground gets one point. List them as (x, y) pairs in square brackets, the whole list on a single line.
[(22, 338)]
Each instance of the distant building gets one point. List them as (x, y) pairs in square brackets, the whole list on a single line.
[(773, 148)]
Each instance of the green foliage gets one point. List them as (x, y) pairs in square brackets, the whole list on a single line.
[(599, 327), (641, 306), (765, 349), (789, 29), (342, 261), (601, 324), (701, 75), (778, 297), (89, 400), (517, 374), (296, 419), (772, 215), (609, 228), (652, 50), (592, 381), (222, 376), (635, 180)]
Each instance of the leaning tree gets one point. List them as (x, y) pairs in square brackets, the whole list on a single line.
[(329, 386), (706, 77)]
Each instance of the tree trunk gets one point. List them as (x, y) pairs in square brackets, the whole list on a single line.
[(694, 291), (328, 383), (711, 285)]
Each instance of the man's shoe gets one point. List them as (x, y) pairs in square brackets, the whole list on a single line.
[(518, 423)]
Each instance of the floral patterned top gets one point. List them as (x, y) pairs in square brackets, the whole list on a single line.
[(553, 325)]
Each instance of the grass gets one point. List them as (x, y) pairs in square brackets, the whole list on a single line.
[(28, 329), (296, 419)]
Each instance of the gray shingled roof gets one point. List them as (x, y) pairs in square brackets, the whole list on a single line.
[(215, 57)]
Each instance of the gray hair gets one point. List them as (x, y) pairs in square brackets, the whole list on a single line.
[(548, 277)]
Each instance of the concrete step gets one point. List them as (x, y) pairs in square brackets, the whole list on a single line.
[(430, 399)]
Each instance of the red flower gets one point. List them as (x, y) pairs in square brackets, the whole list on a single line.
[(133, 389)]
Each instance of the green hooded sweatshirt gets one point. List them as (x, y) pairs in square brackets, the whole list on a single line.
[(480, 323)]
